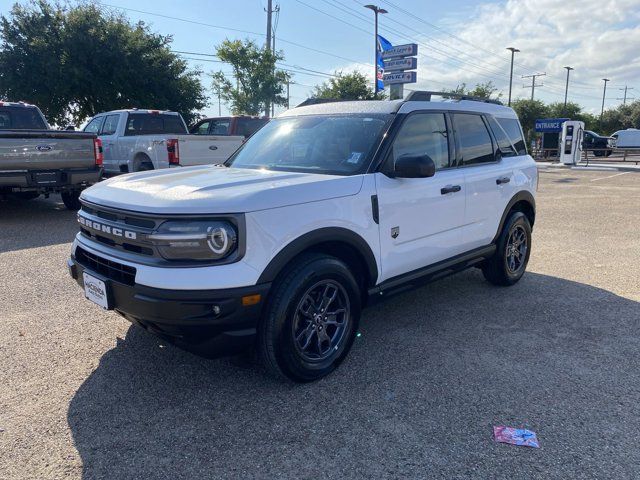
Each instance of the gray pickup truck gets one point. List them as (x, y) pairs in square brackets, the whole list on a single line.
[(35, 160)]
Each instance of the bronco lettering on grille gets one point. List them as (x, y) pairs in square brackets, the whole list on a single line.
[(109, 230)]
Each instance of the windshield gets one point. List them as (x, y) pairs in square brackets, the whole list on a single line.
[(333, 145)]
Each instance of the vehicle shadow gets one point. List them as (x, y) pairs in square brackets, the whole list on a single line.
[(433, 370), (35, 223)]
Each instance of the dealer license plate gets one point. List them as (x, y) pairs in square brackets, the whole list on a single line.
[(95, 290)]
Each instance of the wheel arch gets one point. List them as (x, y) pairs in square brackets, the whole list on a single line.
[(138, 159), (522, 201), (339, 242)]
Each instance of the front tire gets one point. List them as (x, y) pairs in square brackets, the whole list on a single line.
[(513, 248), (311, 319), (71, 200)]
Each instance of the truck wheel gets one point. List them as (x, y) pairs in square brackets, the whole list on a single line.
[(311, 319), (71, 200), (509, 262), (144, 167)]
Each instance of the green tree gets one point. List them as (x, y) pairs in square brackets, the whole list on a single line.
[(257, 81), (528, 111), (346, 86), (76, 61), (481, 90)]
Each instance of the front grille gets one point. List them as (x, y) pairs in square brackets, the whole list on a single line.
[(124, 221), (107, 268)]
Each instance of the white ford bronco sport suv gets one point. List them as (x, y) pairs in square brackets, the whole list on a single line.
[(323, 210)]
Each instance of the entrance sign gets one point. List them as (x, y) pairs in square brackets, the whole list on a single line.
[(550, 125)]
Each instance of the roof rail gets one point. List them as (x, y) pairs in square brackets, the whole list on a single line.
[(425, 96)]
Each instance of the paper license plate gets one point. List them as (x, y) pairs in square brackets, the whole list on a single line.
[(95, 290)]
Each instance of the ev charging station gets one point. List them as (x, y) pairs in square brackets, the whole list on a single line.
[(571, 142)]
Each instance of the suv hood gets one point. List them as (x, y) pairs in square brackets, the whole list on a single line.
[(216, 189)]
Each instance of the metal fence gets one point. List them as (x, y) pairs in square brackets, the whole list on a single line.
[(598, 155)]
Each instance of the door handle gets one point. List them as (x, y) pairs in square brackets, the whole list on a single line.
[(450, 189), (502, 180)]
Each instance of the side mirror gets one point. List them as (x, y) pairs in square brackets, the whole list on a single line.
[(414, 166), (71, 128)]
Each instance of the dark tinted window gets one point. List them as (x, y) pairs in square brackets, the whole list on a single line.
[(21, 118), (201, 129), (474, 138), (248, 126), (220, 127), (153, 123), (110, 125), (506, 148), (512, 127), (94, 125), (423, 134)]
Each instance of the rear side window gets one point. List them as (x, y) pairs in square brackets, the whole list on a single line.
[(21, 118), (475, 142), (512, 127), (424, 134), (248, 126), (506, 148), (110, 124), (151, 123)]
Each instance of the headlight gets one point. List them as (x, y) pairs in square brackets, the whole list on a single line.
[(195, 240)]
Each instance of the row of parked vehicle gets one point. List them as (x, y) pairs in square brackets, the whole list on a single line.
[(36, 160)]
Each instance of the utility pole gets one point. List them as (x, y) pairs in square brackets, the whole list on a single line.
[(513, 51), (533, 82), (624, 99), (269, 11), (376, 10), (604, 94), (566, 90), (219, 104), (273, 49)]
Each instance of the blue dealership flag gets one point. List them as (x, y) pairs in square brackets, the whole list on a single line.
[(383, 44)]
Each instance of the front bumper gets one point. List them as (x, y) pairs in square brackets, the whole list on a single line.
[(211, 323)]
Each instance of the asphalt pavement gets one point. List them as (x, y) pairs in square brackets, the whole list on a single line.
[(83, 394)]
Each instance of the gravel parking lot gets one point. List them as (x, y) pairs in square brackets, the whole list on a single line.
[(85, 395)]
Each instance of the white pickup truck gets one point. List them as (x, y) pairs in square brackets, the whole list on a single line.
[(137, 140)]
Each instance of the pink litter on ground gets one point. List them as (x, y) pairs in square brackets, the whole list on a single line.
[(515, 436)]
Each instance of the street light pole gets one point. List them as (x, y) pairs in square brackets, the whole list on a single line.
[(513, 51), (566, 90), (604, 93), (376, 10)]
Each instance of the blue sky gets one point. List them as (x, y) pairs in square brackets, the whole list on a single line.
[(459, 41)]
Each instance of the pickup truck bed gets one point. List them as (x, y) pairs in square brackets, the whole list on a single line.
[(41, 161)]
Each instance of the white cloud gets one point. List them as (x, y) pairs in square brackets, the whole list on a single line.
[(597, 38)]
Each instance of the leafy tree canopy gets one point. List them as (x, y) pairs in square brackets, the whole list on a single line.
[(76, 61), (257, 81), (346, 86), (481, 90)]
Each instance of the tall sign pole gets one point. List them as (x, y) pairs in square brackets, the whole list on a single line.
[(376, 10), (566, 90), (267, 108), (513, 51)]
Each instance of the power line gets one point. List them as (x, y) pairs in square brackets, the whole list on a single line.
[(222, 27)]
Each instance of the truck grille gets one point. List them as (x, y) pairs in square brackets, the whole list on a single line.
[(107, 268)]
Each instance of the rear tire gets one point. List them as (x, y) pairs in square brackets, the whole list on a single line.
[(71, 200), (513, 248), (311, 319)]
